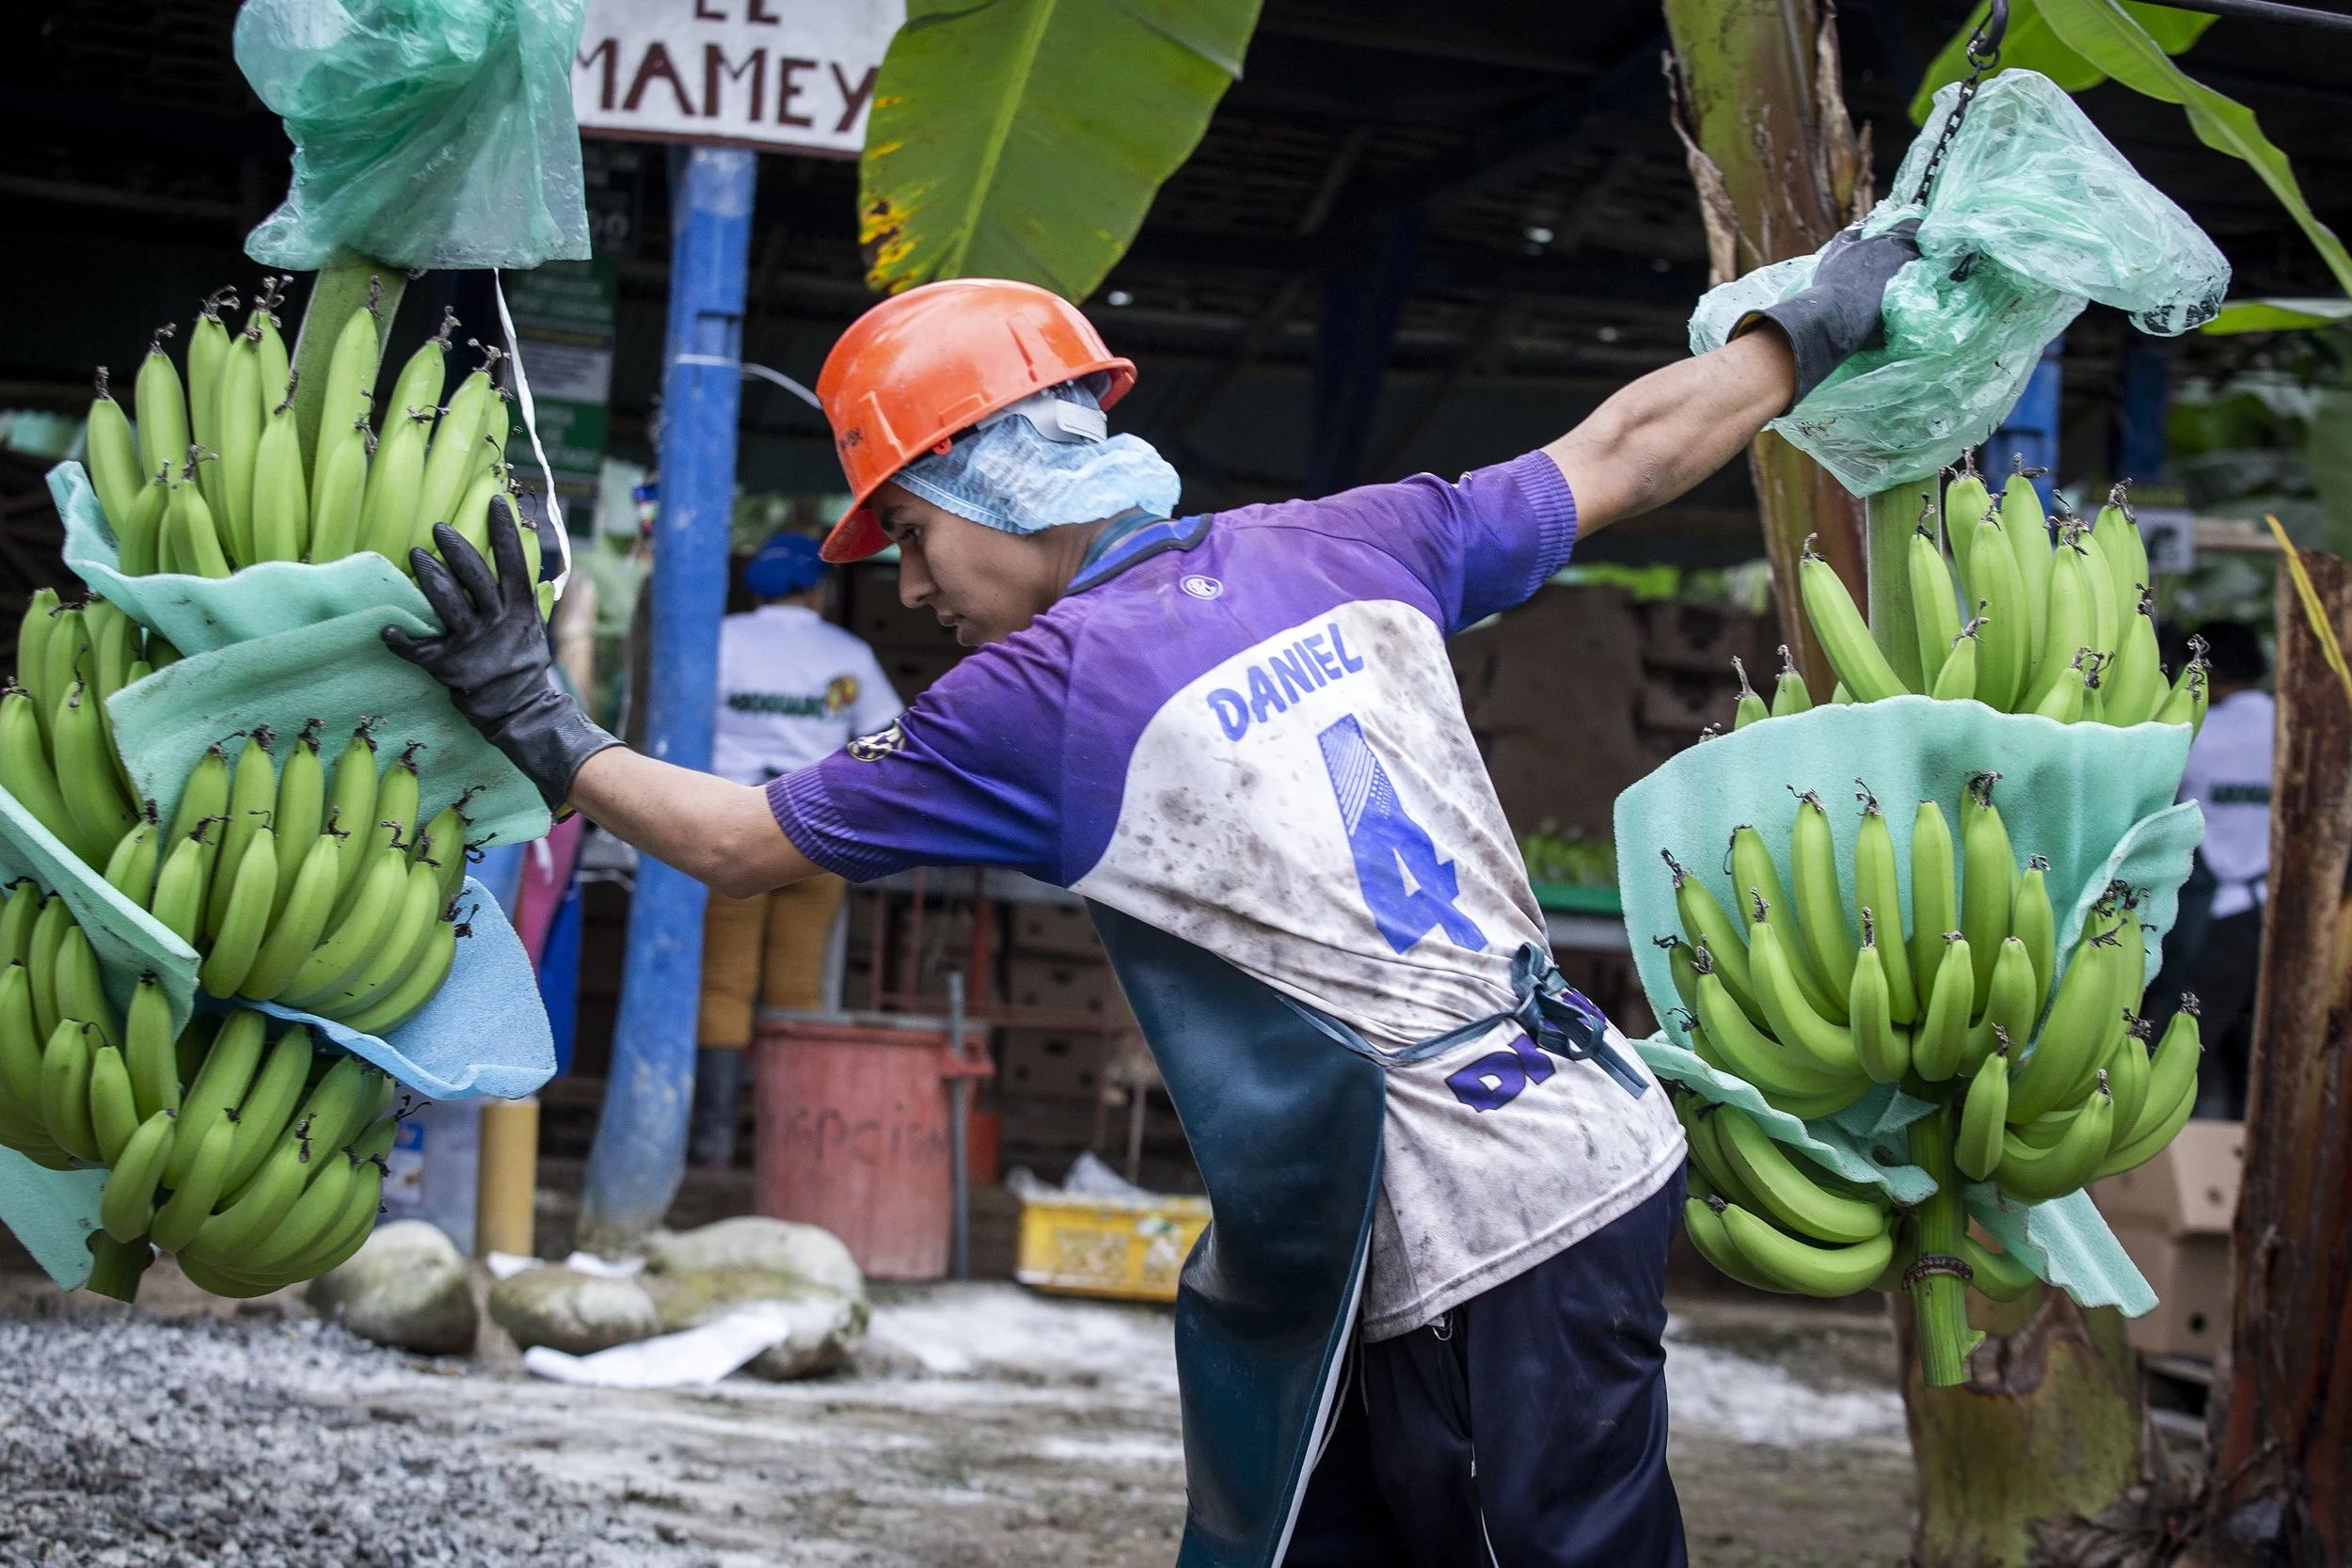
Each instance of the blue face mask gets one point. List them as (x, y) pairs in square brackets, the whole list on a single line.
[(1045, 463)]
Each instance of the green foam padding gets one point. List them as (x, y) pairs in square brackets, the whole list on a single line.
[(337, 671), (2095, 801), (53, 1214)]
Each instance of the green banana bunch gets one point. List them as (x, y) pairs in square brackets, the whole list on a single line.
[(2046, 1073), (250, 873), (249, 1172), (2062, 630), (215, 1137), (57, 756), (207, 352)]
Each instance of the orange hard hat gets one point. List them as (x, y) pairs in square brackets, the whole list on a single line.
[(925, 364)]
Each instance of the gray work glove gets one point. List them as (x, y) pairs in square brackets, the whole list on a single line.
[(492, 655), (1837, 313)]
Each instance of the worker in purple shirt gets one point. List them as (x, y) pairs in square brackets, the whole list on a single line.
[(1425, 1326)]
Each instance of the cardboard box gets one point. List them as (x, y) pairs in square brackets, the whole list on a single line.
[(1055, 930), (1058, 1063), (1679, 703), (1703, 639), (2190, 1189), (2173, 1215), (1066, 986), (878, 617), (1548, 690), (911, 673), (2190, 1276)]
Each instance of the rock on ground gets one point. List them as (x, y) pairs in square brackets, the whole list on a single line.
[(825, 1325), (577, 1313), (813, 1255), (406, 1288), (127, 1441), (696, 1275)]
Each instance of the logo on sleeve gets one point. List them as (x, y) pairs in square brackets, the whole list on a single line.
[(873, 748), (840, 694), (1408, 890)]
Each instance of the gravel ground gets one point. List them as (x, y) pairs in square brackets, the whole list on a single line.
[(132, 1440), (982, 1426)]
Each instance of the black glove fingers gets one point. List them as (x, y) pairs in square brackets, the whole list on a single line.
[(416, 650), (441, 592), (506, 548), (467, 565)]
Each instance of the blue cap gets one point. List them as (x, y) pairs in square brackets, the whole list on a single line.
[(787, 565)]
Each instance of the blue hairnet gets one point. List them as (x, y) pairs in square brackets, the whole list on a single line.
[(785, 566), (1011, 475)]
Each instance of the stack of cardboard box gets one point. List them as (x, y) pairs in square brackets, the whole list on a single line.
[(1050, 1078), (914, 648), (2173, 1215), (1581, 691), (1688, 682)]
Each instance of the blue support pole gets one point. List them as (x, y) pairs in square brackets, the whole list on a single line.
[(2143, 401), (2031, 430), (640, 1151)]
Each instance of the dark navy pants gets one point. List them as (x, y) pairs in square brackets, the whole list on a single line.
[(1526, 1428)]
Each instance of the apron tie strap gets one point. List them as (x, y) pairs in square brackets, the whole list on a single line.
[(1559, 1020)]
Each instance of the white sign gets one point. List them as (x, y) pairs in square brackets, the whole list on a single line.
[(2171, 535), (796, 74)]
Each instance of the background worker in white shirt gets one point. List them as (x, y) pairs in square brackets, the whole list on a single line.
[(2216, 948), (793, 688)]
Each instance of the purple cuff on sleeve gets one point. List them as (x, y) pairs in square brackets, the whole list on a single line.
[(1548, 496), (804, 809)]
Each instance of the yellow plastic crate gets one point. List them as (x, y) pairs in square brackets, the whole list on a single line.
[(1129, 1249)]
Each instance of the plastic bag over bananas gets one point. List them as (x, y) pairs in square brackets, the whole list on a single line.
[(2033, 213)]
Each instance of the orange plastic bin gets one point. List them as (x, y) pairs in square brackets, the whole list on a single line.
[(852, 1111)]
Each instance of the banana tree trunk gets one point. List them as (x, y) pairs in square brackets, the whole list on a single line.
[(2044, 1436), (2282, 1421), (1779, 169)]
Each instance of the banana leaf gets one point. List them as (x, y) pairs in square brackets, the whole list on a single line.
[(1026, 138), (2104, 33), (2030, 45), (2279, 315)]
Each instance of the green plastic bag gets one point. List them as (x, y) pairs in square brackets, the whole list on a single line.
[(2033, 213), (427, 132)]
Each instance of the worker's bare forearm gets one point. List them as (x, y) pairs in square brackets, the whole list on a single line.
[(1659, 436), (719, 833)]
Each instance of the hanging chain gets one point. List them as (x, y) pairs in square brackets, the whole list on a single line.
[(1984, 52)]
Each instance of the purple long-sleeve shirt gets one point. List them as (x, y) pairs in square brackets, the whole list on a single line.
[(1244, 729)]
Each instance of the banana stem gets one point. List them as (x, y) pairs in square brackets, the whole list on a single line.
[(116, 1266), (1894, 514), (337, 292), (1940, 1300)]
